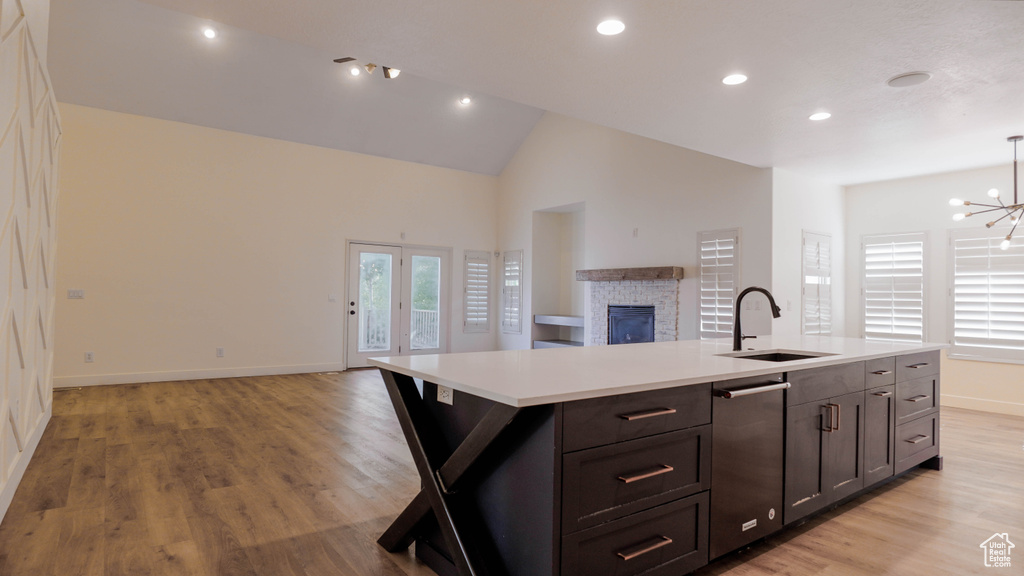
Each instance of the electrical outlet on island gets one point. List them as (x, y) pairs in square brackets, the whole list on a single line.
[(444, 395)]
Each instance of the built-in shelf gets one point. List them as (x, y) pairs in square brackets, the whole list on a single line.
[(555, 343), (558, 320), (620, 274)]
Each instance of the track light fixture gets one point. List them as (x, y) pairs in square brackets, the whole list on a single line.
[(1011, 211), (370, 67)]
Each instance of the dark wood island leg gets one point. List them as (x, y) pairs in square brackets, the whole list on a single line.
[(439, 481)]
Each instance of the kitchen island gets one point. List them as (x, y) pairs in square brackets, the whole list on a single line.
[(598, 460)]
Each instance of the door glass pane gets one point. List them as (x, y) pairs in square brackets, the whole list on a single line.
[(374, 302), (426, 303)]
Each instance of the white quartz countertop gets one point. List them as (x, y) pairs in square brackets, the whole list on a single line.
[(531, 377)]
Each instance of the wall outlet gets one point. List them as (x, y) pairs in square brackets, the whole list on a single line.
[(220, 352), (76, 294), (444, 395), (90, 357)]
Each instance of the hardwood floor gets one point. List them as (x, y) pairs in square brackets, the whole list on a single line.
[(299, 475)]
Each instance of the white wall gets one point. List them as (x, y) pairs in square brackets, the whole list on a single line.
[(668, 193), (800, 204), (186, 239), (29, 150), (921, 205)]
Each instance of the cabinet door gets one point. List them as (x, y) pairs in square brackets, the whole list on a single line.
[(806, 460), (846, 447), (879, 433)]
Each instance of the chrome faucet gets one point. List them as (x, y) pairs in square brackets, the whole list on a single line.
[(737, 332)]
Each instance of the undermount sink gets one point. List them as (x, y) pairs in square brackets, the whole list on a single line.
[(776, 355)]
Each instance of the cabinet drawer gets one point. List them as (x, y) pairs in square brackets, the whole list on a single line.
[(880, 372), (915, 398), (605, 483), (665, 541), (916, 442), (911, 366), (827, 382), (599, 421)]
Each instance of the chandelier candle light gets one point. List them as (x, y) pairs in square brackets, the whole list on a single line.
[(1013, 211)]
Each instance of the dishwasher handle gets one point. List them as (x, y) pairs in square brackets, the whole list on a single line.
[(729, 394)]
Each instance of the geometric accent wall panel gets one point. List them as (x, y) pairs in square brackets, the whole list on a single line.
[(29, 151)]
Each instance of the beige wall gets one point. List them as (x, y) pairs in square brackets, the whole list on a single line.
[(29, 144), (186, 239), (801, 204), (668, 193), (921, 205)]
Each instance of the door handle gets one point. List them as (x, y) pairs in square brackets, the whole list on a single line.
[(919, 438), (352, 312), (829, 429), (729, 394), (918, 398), (883, 394), (881, 372), (837, 416), (665, 469), (918, 365), (665, 541), (647, 414)]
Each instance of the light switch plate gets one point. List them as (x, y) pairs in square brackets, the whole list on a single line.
[(444, 395)]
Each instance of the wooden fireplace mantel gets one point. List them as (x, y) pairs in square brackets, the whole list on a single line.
[(619, 274)]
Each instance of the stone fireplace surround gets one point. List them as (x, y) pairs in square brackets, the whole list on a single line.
[(658, 287)]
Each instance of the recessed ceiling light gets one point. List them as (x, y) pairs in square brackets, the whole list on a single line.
[(820, 116), (465, 100), (734, 79), (908, 79), (355, 71), (209, 32), (611, 27)]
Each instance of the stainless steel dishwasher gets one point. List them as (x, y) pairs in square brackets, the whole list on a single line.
[(748, 423)]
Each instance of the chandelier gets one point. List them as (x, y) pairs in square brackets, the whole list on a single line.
[(1011, 211)]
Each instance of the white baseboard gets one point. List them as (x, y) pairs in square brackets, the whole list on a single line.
[(7, 494), (142, 377), (984, 405)]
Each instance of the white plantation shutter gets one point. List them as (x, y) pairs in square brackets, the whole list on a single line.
[(476, 302), (512, 293), (719, 278), (988, 296), (817, 283), (894, 287)]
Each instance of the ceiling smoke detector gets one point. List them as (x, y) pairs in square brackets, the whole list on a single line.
[(908, 79)]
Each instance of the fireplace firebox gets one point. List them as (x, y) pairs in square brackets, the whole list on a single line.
[(630, 324)]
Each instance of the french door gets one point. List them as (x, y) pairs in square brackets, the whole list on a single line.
[(397, 301)]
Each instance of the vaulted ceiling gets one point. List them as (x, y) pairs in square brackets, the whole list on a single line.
[(270, 73)]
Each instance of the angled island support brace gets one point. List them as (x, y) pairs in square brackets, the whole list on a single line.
[(439, 482)]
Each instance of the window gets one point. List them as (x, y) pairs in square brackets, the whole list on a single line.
[(719, 277), (512, 293), (894, 287), (476, 301), (817, 283), (988, 296)]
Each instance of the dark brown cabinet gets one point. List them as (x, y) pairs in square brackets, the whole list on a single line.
[(879, 433), (917, 410), (824, 453)]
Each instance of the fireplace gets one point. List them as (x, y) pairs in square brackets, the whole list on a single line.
[(630, 324)]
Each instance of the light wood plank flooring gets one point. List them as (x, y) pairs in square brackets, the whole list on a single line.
[(298, 475)]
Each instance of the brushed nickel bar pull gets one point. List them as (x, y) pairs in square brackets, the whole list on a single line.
[(881, 372), (665, 469), (665, 541), (726, 393), (883, 394), (648, 414), (830, 418), (919, 438), (918, 365), (918, 398)]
